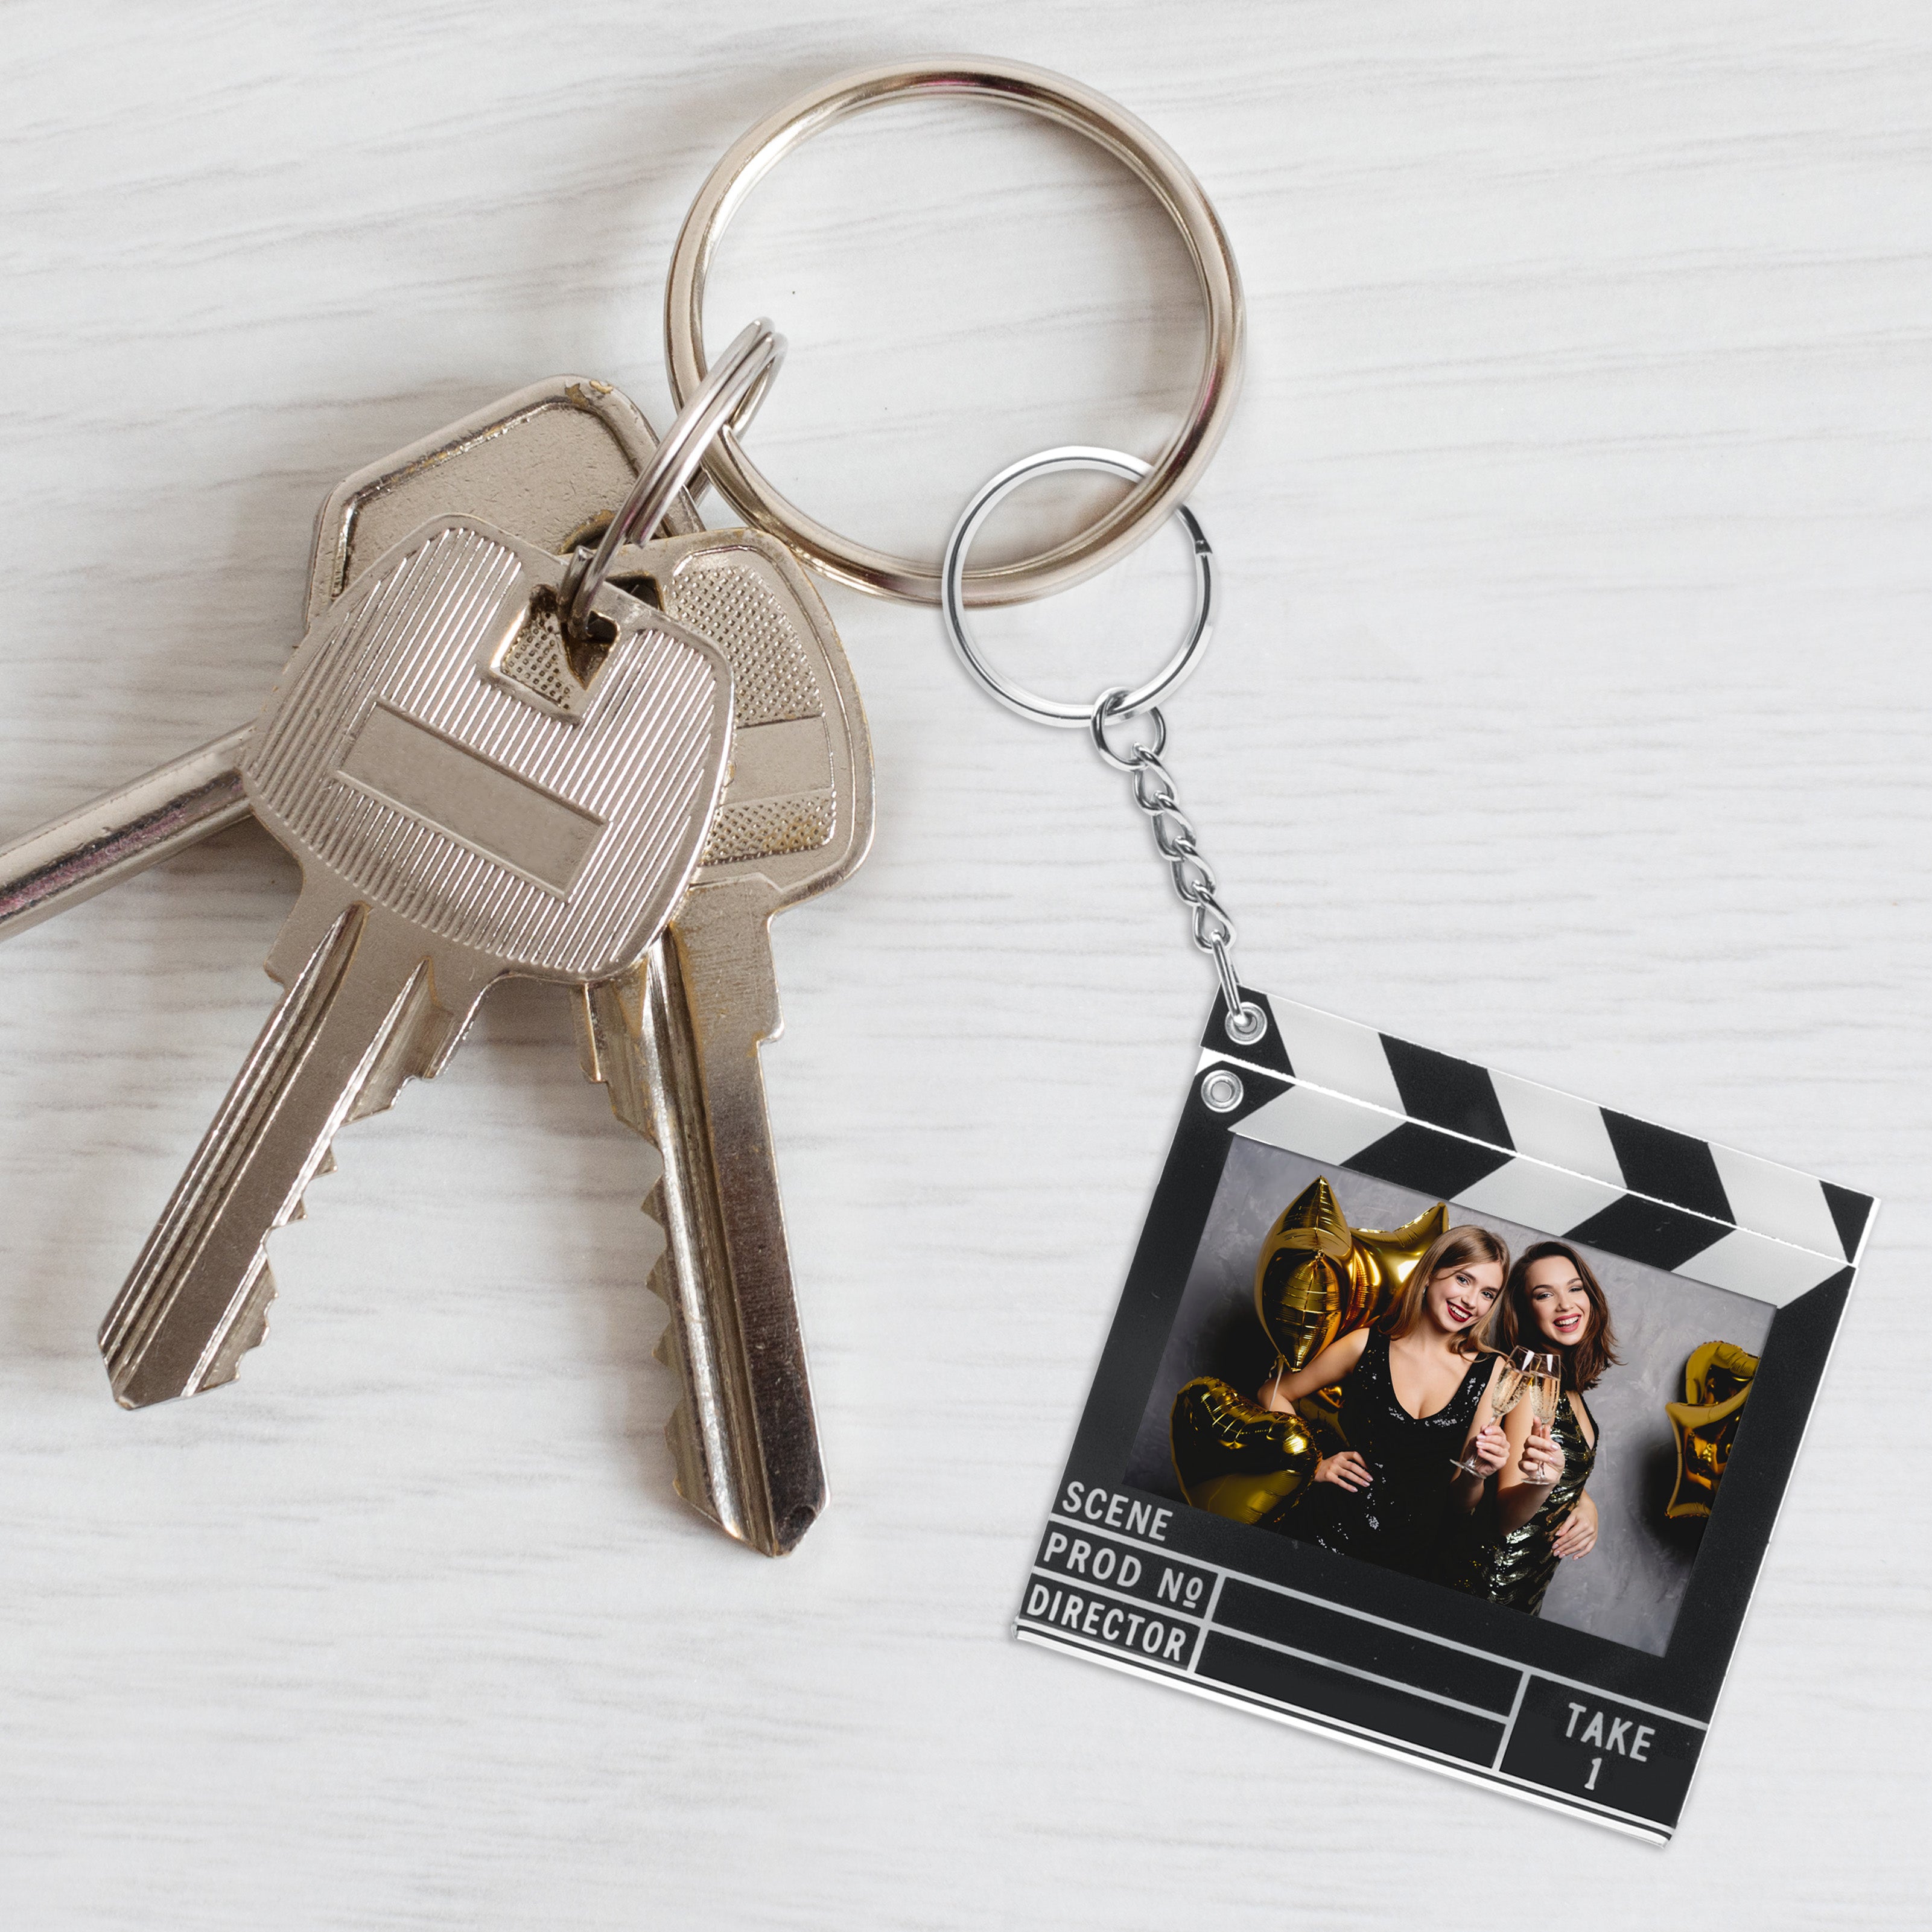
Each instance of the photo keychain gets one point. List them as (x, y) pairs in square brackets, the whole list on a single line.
[(1364, 1452), (1362, 1395)]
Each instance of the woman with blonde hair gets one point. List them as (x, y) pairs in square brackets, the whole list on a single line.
[(1508, 1551), (1412, 1389)]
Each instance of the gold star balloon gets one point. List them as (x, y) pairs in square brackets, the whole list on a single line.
[(1315, 1278), (1303, 1280), (1384, 1259)]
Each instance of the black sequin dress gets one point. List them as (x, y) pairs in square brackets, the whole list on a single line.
[(1401, 1519), (1514, 1568)]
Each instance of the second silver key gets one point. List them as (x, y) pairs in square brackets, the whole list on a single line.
[(678, 1044)]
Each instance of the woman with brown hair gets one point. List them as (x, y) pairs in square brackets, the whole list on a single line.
[(1508, 1551), (1412, 1390)]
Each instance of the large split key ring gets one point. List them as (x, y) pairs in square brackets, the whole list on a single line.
[(1161, 486), (1113, 703)]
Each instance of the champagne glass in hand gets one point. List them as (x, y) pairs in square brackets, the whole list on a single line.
[(1511, 1383), (1545, 1389)]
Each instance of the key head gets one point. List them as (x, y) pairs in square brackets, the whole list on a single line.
[(549, 462), (796, 815), (433, 749)]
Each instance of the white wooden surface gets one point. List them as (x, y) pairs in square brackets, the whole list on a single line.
[(1570, 713)]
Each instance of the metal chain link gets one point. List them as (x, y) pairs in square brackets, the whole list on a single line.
[(1244, 1022), (1175, 839)]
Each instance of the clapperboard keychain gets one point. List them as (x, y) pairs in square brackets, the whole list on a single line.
[(1371, 1446), (1371, 1449), (1365, 1452)]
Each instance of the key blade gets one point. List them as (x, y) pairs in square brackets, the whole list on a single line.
[(462, 807), (680, 1053), (111, 838), (359, 1016), (710, 988), (682, 1063)]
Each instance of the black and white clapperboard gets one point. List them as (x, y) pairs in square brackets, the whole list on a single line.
[(1598, 1705)]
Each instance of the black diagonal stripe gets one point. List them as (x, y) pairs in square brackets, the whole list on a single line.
[(1676, 1168), (1454, 1093), (1417, 1157), (1648, 1230), (1271, 1050), (1850, 1212)]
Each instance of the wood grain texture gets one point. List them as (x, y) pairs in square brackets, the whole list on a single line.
[(1569, 713)]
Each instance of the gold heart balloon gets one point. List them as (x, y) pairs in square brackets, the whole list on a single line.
[(1322, 1412), (1234, 1458), (1382, 1261), (1302, 1276)]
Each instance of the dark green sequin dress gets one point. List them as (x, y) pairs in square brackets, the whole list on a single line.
[(1515, 1567)]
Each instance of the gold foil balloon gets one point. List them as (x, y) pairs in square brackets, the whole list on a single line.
[(1234, 1458), (1302, 1277), (1717, 1379), (1322, 1412), (1383, 1260), (1315, 1278)]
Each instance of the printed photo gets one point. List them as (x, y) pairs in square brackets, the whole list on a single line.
[(1523, 1419)]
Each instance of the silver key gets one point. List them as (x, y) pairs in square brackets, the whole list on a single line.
[(796, 819), (548, 464), (678, 1044), (467, 798)]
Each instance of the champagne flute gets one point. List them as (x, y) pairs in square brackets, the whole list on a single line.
[(1512, 1383), (1547, 1387)]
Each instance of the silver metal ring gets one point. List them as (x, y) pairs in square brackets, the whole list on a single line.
[(1245, 1022), (1033, 91), (1106, 709), (727, 398), (1222, 1091), (1112, 703)]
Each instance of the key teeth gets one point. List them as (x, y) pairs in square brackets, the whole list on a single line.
[(687, 1460), (247, 1330), (688, 1457), (661, 1279), (688, 1472), (250, 1330)]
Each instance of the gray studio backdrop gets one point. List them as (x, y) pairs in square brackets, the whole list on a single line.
[(1628, 1589)]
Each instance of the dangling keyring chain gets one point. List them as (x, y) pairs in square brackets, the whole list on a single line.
[(1153, 787), (1194, 881)]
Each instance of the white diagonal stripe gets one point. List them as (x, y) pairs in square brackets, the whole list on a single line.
[(1778, 1201), (1557, 1128), (1765, 1270), (1342, 1054), (1324, 1126), (1549, 1198)]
